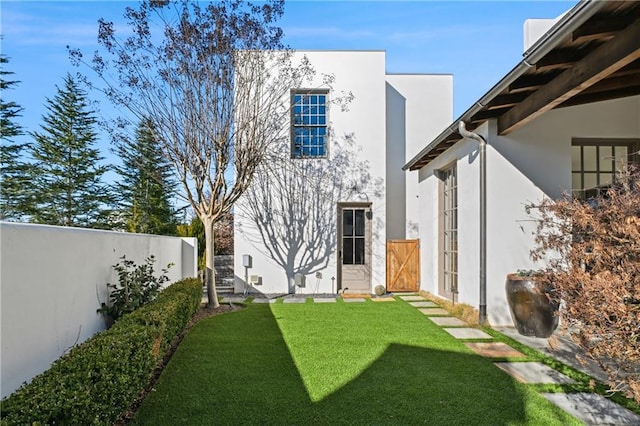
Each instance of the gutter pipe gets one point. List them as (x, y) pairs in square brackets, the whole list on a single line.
[(482, 144), (571, 21)]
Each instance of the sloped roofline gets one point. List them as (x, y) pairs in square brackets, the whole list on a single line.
[(568, 23)]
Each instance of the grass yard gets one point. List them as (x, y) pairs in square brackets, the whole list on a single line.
[(342, 363)]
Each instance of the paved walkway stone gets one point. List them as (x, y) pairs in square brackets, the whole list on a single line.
[(563, 349), (433, 311), (533, 372), (593, 409), (324, 300), (426, 304), (354, 300), (467, 333), (233, 299), (447, 321), (295, 300), (493, 349), (383, 299), (263, 300), (411, 298)]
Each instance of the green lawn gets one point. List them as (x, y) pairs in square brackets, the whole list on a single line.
[(343, 363)]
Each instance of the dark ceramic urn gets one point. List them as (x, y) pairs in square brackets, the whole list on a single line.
[(534, 309)]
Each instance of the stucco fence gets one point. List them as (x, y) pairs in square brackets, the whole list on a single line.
[(52, 280)]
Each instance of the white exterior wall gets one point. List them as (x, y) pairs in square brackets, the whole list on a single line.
[(419, 107), (464, 154), (363, 74), (522, 167), (53, 280), (387, 118)]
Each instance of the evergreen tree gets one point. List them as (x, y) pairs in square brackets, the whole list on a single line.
[(145, 189), (13, 171), (67, 177)]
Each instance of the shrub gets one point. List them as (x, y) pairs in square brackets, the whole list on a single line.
[(593, 250), (98, 379), (137, 285)]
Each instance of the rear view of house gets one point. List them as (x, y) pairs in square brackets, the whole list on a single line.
[(317, 216)]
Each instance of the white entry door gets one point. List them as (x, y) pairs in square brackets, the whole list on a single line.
[(354, 247)]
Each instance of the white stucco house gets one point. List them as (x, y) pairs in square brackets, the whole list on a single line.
[(562, 120), (320, 222)]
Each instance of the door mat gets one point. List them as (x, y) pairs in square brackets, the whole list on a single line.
[(354, 295)]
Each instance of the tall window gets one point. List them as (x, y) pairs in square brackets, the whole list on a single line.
[(309, 124), (449, 227), (594, 164)]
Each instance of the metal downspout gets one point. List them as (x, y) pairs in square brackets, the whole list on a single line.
[(482, 144)]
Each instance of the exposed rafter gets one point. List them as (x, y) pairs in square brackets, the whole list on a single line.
[(606, 59)]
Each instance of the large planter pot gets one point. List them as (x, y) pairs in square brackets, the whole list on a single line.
[(534, 309)]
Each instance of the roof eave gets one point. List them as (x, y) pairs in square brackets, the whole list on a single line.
[(570, 21)]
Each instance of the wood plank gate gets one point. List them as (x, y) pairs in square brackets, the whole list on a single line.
[(403, 265)]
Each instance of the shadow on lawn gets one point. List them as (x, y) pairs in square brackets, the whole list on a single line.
[(237, 369)]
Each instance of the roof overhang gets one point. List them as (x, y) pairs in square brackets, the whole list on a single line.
[(591, 54)]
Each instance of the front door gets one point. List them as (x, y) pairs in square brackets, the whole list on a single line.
[(354, 247)]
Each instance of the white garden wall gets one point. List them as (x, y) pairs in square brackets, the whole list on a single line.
[(52, 280)]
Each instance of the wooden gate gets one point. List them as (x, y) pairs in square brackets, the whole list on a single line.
[(403, 265)]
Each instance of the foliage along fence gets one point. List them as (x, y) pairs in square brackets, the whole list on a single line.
[(53, 281), (99, 379)]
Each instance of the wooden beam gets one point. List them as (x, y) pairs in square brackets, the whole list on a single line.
[(613, 83), (560, 58), (606, 59), (587, 98), (508, 100), (530, 82), (601, 26), (484, 115), (631, 69)]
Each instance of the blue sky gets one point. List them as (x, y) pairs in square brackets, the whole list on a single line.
[(478, 42)]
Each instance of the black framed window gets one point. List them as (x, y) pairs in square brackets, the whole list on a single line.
[(309, 124)]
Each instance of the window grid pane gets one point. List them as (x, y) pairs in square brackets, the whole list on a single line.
[(309, 125), (353, 237), (594, 166)]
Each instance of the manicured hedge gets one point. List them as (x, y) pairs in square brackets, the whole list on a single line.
[(98, 379)]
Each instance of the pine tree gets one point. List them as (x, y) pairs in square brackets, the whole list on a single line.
[(145, 190), (67, 175), (13, 171)]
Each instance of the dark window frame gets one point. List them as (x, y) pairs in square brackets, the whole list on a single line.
[(307, 135), (632, 147)]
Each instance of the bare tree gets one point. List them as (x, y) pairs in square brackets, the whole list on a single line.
[(291, 205), (215, 82), (592, 247)]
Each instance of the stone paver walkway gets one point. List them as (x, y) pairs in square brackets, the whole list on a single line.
[(447, 321), (434, 311), (593, 409), (324, 300), (533, 372), (411, 298), (493, 349), (263, 300), (354, 300), (425, 304), (467, 333)]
